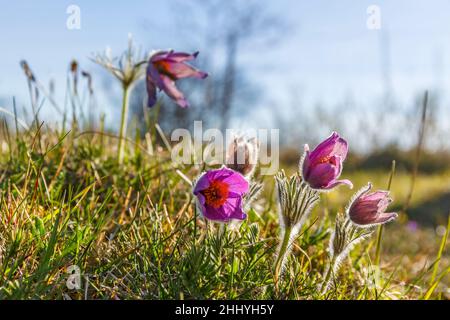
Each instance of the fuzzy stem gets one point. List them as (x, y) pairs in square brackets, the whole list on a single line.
[(282, 253), (327, 279), (123, 123)]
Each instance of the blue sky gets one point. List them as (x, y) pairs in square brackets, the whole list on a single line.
[(328, 53)]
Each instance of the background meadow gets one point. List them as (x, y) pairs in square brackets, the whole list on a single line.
[(307, 69)]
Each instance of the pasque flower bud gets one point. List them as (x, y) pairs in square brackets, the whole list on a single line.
[(368, 209), (242, 155), (364, 211)]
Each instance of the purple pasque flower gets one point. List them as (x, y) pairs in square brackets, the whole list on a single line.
[(164, 69), (368, 209), (219, 193), (322, 167)]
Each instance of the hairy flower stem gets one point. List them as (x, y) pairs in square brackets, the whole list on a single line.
[(296, 201), (282, 254), (327, 279), (123, 122)]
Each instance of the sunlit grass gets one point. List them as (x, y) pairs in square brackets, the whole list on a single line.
[(132, 231)]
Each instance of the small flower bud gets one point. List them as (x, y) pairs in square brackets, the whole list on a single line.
[(242, 155), (369, 209)]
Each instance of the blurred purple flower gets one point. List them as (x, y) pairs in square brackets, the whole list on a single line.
[(219, 193), (322, 167), (166, 67), (368, 209), (412, 226)]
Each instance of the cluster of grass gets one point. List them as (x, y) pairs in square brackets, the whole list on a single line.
[(77, 221), (132, 232)]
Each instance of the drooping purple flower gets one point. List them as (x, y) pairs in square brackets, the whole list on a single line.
[(164, 69), (219, 193), (322, 167), (368, 209)]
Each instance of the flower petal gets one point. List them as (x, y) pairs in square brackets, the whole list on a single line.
[(332, 146), (369, 220), (179, 70), (151, 92), (182, 56), (338, 182), (237, 183), (376, 196), (160, 55), (215, 214), (153, 74), (172, 91), (201, 199), (305, 163), (321, 175), (219, 174), (202, 183), (233, 209), (385, 217)]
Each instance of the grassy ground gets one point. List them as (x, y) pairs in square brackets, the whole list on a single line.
[(132, 232)]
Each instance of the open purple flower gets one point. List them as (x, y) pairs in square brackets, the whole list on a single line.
[(368, 209), (219, 193), (166, 67), (322, 167)]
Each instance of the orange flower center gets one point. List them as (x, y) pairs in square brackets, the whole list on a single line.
[(216, 194), (162, 67), (324, 160)]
